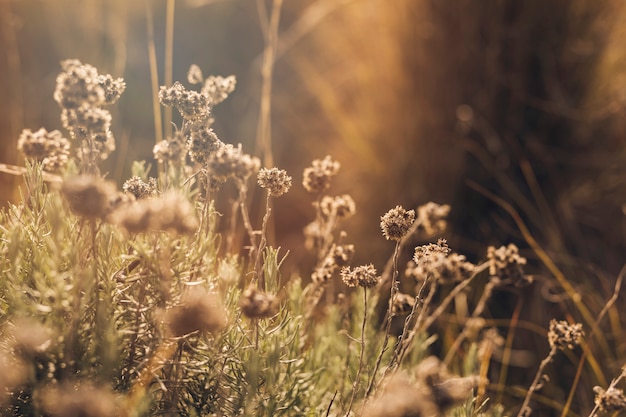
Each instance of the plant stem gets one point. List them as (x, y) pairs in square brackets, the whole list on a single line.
[(355, 385), (525, 410)]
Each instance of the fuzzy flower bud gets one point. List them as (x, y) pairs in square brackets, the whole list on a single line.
[(274, 180), (396, 223), (361, 276)]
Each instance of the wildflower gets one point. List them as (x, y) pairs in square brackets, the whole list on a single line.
[(194, 75), (506, 264), (362, 276), (341, 206), (317, 177), (256, 304), (78, 84), (171, 150), (230, 162), (84, 400), (89, 196), (113, 88), (612, 399), (341, 254), (437, 261), (396, 223), (199, 311), (202, 143), (139, 188), (274, 180), (169, 212), (431, 218), (563, 335), (190, 104), (49, 148), (216, 89)]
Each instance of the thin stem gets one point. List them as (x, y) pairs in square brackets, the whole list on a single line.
[(262, 243), (355, 385), (154, 75), (394, 291), (525, 410), (169, 60), (243, 191)]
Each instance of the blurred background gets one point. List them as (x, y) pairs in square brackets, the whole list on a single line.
[(418, 100)]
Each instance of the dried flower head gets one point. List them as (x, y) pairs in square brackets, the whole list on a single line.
[(139, 188), (563, 335), (341, 254), (78, 84), (438, 262), (217, 88), (362, 276), (171, 150), (257, 304), (83, 400), (316, 178), (89, 196), (274, 180), (341, 206), (190, 104), (611, 400), (432, 218), (507, 264), (169, 212), (113, 88), (230, 162), (199, 311), (202, 143), (194, 75), (49, 148), (396, 223)]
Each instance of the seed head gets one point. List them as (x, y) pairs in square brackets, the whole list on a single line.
[(274, 180), (362, 276), (194, 75), (432, 218), (257, 304), (190, 104), (316, 178), (507, 264), (216, 89), (611, 400), (396, 223), (113, 88), (139, 188), (563, 335), (230, 162), (78, 84), (89, 196), (49, 148), (199, 311), (202, 143), (438, 262), (341, 206)]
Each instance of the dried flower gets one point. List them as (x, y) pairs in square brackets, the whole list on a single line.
[(611, 400), (396, 223), (431, 218), (217, 88), (363, 276), (230, 162), (341, 254), (171, 150), (202, 143), (89, 196), (83, 400), (78, 84), (199, 311), (506, 264), (563, 335), (317, 177), (169, 212), (194, 75), (139, 188), (438, 262), (341, 206), (274, 180), (113, 88), (190, 104), (257, 304), (49, 148)]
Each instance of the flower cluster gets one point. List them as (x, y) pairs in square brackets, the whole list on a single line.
[(338, 256), (139, 188), (217, 88), (613, 399), (432, 218), (438, 262), (342, 206), (81, 92), (316, 178), (274, 180), (230, 162), (202, 143), (49, 148), (563, 335), (191, 105), (396, 223), (361, 276), (506, 264)]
